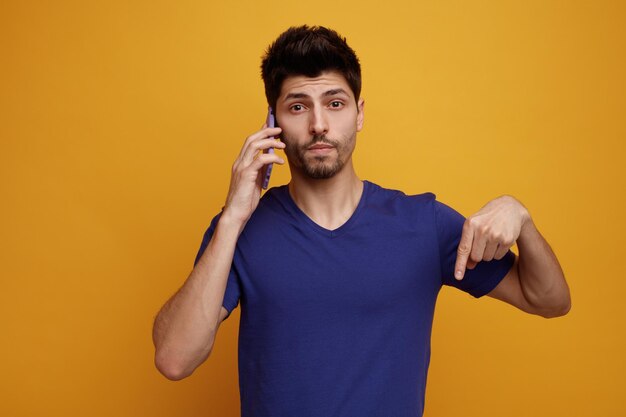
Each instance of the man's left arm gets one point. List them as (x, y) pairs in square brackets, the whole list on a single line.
[(535, 283)]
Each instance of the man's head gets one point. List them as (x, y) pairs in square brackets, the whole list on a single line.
[(308, 51), (313, 82)]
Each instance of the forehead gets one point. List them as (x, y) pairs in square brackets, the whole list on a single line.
[(314, 86)]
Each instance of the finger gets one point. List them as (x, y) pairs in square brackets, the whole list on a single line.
[(260, 145), (490, 251), (247, 173), (478, 248), (262, 164), (502, 250), (268, 132), (254, 172), (464, 250), (264, 159)]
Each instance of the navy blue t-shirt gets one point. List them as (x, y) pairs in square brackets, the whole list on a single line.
[(338, 322)]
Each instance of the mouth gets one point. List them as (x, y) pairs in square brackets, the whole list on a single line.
[(320, 146)]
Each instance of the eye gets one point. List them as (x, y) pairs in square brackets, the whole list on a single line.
[(297, 107), (336, 104)]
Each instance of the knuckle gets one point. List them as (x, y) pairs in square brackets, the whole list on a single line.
[(464, 248), (473, 222)]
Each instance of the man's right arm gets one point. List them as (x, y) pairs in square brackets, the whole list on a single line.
[(185, 328)]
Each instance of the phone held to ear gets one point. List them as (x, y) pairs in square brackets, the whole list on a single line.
[(271, 122)]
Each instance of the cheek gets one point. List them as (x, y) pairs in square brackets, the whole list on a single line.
[(295, 136), (345, 132), (345, 124), (292, 131), (291, 143)]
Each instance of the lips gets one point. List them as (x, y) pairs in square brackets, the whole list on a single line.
[(320, 146)]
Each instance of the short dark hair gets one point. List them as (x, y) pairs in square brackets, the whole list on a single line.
[(308, 51)]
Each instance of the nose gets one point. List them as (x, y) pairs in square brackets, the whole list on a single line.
[(318, 124)]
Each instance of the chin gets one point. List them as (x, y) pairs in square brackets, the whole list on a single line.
[(322, 171)]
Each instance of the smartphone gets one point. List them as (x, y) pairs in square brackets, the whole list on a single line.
[(271, 122)]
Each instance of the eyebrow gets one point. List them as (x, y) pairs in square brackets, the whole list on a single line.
[(333, 92)]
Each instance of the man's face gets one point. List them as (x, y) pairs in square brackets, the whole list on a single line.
[(319, 118)]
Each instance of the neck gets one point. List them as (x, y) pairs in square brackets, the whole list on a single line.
[(328, 202)]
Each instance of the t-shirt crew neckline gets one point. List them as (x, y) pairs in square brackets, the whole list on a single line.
[(322, 230)]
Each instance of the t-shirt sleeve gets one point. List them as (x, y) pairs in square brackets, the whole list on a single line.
[(233, 290), (485, 276)]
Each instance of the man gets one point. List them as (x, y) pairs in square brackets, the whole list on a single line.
[(338, 277)]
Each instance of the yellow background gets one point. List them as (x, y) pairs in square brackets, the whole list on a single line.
[(119, 122)]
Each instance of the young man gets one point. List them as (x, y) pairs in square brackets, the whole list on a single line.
[(338, 277)]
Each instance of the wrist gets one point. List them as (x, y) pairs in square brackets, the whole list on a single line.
[(527, 223), (229, 221)]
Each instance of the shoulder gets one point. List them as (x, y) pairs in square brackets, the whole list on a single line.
[(392, 198), (391, 206), (391, 193)]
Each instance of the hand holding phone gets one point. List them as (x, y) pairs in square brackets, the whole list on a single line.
[(270, 122), (249, 172)]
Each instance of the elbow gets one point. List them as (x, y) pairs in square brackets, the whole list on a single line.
[(550, 304), (176, 362), (170, 369), (173, 374), (557, 311), (174, 368)]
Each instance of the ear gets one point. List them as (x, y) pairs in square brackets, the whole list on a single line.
[(360, 115)]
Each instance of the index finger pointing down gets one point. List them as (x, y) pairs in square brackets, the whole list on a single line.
[(464, 251)]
